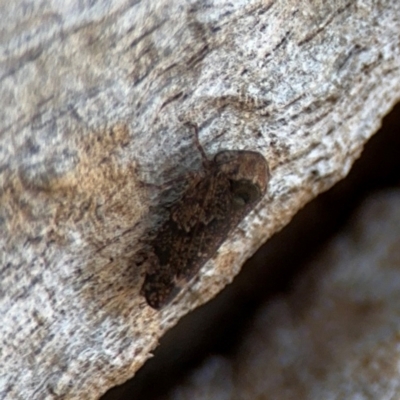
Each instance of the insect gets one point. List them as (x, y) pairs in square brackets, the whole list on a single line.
[(216, 200)]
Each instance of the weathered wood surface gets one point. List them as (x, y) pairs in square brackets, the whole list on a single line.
[(94, 97)]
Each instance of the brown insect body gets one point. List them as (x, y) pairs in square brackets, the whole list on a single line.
[(212, 206)]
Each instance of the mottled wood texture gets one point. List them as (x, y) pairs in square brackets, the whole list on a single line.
[(94, 101)]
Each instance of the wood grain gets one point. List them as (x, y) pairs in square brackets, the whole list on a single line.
[(94, 98)]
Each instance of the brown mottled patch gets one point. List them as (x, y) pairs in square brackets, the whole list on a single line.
[(101, 191), (99, 195)]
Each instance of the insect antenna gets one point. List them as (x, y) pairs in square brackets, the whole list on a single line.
[(205, 160)]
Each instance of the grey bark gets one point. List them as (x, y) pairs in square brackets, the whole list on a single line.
[(94, 101)]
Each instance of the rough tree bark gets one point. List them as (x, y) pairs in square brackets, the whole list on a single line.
[(94, 101)]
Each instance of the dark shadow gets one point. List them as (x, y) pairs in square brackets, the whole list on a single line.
[(219, 326)]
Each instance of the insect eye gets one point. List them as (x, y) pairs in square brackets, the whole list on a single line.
[(244, 192)]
